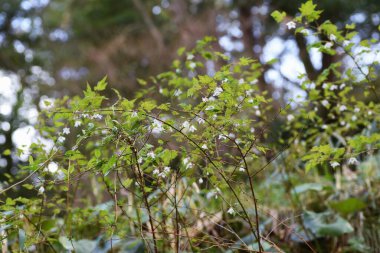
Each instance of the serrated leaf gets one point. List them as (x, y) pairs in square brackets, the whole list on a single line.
[(278, 16), (101, 85)]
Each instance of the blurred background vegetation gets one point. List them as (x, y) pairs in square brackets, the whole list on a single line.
[(52, 48)]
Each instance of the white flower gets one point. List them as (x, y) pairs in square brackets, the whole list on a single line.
[(204, 146), (217, 91), (156, 171), (342, 108), (97, 116), (52, 167), (353, 161), (151, 154), (346, 43), (332, 37), (328, 45), (211, 98), (241, 81), (200, 181), (249, 92), (343, 123), (324, 85), (85, 115), (231, 135), (192, 129), (187, 163), (209, 108), (357, 109), (342, 86), (77, 123), (177, 92), (324, 126), (61, 139), (325, 103), (186, 124), (231, 211), (354, 118), (157, 127), (250, 100), (162, 174), (140, 160), (192, 65), (333, 87), (258, 113), (241, 169), (41, 190), (290, 117), (134, 114), (190, 57), (334, 164), (291, 25), (160, 90), (166, 169), (204, 99), (222, 137), (369, 113), (66, 130), (200, 120)]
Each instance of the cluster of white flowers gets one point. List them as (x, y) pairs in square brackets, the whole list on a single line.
[(231, 211), (157, 127), (217, 91), (188, 164), (151, 154), (187, 127), (162, 174), (97, 116)]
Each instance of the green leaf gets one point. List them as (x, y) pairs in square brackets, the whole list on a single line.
[(141, 82), (307, 187), (65, 242), (101, 85), (21, 239), (326, 224), (84, 246), (7, 152), (148, 105), (278, 16), (309, 12), (348, 206)]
